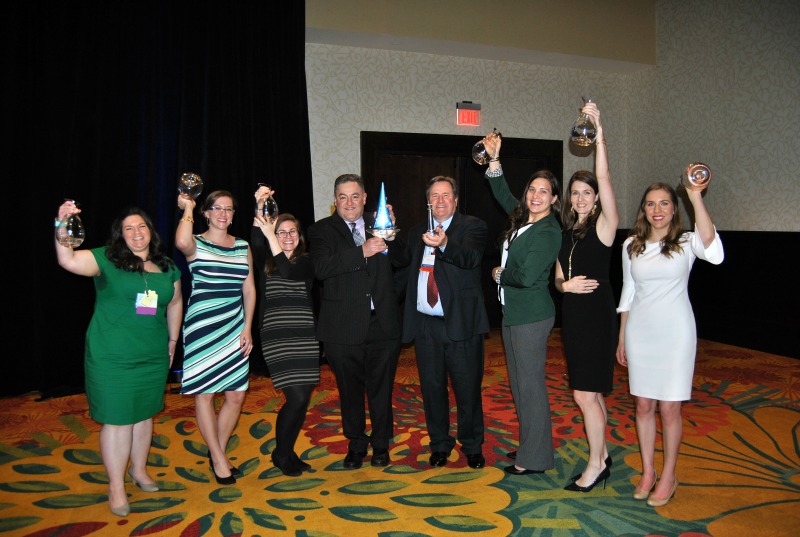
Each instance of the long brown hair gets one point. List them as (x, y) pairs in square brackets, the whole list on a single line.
[(569, 218), (641, 229), (519, 216), (270, 267)]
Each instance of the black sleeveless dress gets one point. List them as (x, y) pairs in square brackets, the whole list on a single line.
[(589, 327)]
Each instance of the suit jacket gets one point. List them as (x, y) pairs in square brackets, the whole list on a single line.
[(458, 276), (351, 282), (526, 278)]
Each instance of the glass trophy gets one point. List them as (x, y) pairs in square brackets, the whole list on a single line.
[(383, 226), (190, 184), (431, 222), (70, 233), (270, 206), (479, 154), (696, 176), (584, 131)]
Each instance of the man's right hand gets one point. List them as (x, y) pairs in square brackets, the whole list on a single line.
[(373, 245)]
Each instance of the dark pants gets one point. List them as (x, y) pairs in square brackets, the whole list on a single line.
[(439, 357), (367, 368)]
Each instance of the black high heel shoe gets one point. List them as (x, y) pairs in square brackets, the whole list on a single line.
[(608, 462), (234, 469), (574, 487), (230, 480), (514, 470)]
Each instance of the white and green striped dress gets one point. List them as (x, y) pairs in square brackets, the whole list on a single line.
[(213, 360)]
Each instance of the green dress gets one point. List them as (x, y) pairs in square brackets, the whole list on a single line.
[(127, 355)]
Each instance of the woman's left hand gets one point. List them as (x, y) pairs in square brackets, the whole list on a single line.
[(580, 285), (246, 344)]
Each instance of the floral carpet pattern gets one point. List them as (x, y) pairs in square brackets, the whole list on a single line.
[(739, 468)]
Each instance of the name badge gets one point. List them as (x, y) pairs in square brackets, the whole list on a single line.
[(428, 261), (146, 303)]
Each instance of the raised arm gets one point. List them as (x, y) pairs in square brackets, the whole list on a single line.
[(609, 219), (184, 238), (702, 220), (81, 262)]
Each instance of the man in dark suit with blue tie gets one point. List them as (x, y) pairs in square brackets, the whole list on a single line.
[(359, 318), (446, 318)]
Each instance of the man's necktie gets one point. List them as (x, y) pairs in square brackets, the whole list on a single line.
[(433, 291), (357, 237)]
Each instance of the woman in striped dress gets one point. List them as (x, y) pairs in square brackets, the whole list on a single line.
[(288, 339), (217, 329)]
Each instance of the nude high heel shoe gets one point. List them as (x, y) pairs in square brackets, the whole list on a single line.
[(152, 487), (661, 502), (643, 494)]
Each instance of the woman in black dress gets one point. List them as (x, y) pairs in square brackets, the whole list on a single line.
[(589, 318), (287, 328)]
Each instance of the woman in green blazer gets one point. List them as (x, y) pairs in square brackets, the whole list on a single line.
[(530, 247)]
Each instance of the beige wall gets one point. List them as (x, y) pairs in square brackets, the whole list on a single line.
[(622, 30), (723, 91)]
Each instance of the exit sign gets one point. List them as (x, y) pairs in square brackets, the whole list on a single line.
[(468, 114)]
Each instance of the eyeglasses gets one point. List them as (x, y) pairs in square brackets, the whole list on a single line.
[(283, 234), (218, 209)]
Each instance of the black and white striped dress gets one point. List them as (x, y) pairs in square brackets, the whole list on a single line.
[(288, 341), (287, 327)]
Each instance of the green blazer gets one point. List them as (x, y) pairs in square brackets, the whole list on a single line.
[(526, 277)]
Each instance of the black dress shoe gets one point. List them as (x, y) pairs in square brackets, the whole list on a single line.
[(512, 455), (300, 463), (286, 465), (353, 460), (439, 458), (524, 471), (608, 462), (476, 460), (380, 457)]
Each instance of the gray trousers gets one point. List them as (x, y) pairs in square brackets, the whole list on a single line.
[(526, 350)]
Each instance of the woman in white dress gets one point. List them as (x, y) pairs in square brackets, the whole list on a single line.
[(658, 337)]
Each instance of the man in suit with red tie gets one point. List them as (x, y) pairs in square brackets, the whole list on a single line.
[(446, 318), (359, 318)]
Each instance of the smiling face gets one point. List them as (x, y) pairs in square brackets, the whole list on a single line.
[(288, 236), (539, 199), (659, 211), (136, 235), (582, 197), (443, 201), (350, 199), (220, 215)]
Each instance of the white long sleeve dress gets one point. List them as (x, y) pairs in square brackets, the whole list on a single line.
[(660, 334)]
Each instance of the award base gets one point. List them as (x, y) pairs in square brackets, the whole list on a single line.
[(383, 233)]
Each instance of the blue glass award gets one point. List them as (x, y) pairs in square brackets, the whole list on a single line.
[(383, 226)]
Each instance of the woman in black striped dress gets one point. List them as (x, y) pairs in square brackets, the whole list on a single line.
[(288, 340)]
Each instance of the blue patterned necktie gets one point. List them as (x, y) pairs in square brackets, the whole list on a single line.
[(357, 237)]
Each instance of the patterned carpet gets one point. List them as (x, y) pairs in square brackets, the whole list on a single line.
[(739, 468)]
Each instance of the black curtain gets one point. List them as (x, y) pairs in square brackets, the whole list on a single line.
[(108, 103)]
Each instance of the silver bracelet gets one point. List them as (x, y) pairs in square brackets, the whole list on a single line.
[(497, 275), (495, 173), (60, 223)]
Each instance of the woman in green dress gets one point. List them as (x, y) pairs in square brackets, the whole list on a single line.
[(130, 342)]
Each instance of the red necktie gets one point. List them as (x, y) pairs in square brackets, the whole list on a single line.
[(433, 291)]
